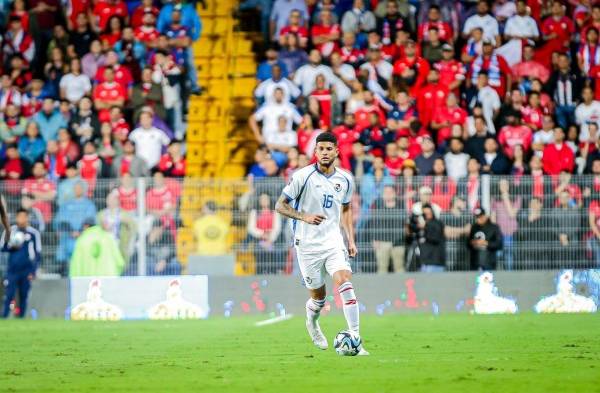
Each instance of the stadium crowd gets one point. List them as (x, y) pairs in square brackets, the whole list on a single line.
[(92, 91), (427, 97)]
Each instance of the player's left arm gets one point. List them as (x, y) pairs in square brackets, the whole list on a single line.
[(348, 226)]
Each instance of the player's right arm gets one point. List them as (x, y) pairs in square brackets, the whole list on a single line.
[(283, 207), (4, 219), (293, 190)]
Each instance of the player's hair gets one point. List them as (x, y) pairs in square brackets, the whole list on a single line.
[(327, 137), (22, 210)]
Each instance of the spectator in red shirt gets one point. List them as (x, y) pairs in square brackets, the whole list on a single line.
[(533, 114), (432, 98), (13, 169), (108, 94), (529, 68), (393, 161), (514, 133), (67, 148), (558, 156), (371, 106), (296, 27), (122, 75), (588, 55), (160, 202), (41, 189), (90, 166), (112, 33), (411, 70), (104, 9), (446, 117), (498, 70), (127, 193), (326, 34), (147, 33), (346, 135), (138, 13), (452, 71), (172, 163), (349, 52), (557, 30), (324, 96), (434, 20)]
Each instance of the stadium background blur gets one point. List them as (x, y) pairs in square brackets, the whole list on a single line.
[(174, 126)]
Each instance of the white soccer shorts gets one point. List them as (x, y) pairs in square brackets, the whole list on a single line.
[(315, 265)]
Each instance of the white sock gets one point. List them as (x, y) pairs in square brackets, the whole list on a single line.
[(313, 309), (346, 291)]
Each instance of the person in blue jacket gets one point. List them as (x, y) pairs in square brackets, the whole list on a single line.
[(23, 244)]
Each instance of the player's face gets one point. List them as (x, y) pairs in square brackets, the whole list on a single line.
[(326, 153), (22, 220)]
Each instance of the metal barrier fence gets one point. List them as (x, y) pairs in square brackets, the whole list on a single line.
[(545, 222)]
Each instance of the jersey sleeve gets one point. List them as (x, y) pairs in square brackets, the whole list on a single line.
[(292, 190), (350, 190)]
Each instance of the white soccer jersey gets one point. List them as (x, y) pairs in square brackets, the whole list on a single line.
[(312, 192)]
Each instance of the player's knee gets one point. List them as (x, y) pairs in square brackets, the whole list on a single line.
[(342, 277)]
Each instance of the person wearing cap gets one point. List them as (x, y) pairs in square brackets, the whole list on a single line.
[(499, 72), (379, 71), (484, 242), (485, 21), (452, 71)]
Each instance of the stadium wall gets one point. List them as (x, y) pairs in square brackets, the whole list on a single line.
[(378, 294)]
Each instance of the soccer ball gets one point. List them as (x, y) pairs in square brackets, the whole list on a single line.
[(347, 343), (17, 238)]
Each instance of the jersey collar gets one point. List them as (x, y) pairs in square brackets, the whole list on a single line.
[(323, 174)]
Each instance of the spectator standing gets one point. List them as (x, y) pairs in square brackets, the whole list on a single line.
[(456, 159), (587, 112), (264, 228), (49, 120), (567, 220), (485, 240), (270, 113), (69, 223), (425, 160), (382, 227), (32, 146), (457, 225), (432, 242), (210, 232), (535, 236), (359, 20), (565, 87), (280, 14), (505, 209), (493, 161), (23, 261), (120, 223), (483, 20)]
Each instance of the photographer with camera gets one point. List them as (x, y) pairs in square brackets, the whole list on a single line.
[(427, 242)]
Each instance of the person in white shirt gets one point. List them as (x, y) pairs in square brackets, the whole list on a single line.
[(456, 159), (587, 112), (379, 72), (149, 140), (75, 85), (489, 100), (485, 21), (269, 114), (318, 200), (282, 140), (521, 25), (266, 89), (342, 70), (544, 136), (306, 75)]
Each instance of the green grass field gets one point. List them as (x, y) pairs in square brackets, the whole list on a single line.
[(455, 353)]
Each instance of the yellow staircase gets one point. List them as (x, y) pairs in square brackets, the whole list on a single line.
[(219, 142)]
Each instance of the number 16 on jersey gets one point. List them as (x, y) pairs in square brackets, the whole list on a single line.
[(327, 201)]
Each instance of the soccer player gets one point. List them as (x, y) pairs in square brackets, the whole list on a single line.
[(23, 260), (321, 195)]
